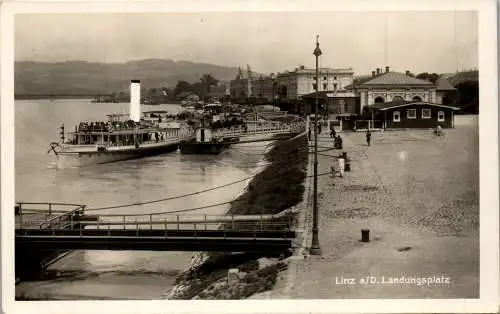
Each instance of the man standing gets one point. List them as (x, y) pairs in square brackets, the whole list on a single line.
[(368, 137), (341, 165), (332, 132)]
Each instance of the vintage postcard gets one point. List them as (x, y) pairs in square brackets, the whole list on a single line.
[(320, 156)]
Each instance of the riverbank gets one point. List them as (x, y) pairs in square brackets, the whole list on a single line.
[(278, 187)]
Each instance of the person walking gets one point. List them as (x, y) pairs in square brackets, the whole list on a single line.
[(368, 137), (438, 131), (333, 134)]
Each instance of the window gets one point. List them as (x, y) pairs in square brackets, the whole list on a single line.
[(440, 116), (324, 78), (314, 86), (342, 105), (335, 78), (334, 85), (324, 86), (411, 113), (426, 113), (314, 78), (397, 99), (396, 116)]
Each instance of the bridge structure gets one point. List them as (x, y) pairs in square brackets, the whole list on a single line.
[(52, 229)]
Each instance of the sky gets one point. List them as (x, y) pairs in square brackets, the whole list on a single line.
[(425, 41)]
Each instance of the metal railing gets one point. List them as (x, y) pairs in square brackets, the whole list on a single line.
[(150, 220), (64, 218), (39, 214), (73, 224)]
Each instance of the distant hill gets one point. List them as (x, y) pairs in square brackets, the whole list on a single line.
[(86, 78)]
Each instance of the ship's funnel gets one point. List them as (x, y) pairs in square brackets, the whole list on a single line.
[(135, 100)]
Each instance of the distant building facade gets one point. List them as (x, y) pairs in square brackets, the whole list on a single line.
[(394, 86), (398, 100), (443, 91), (302, 81), (264, 87), (240, 87)]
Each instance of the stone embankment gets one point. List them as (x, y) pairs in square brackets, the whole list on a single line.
[(224, 276)]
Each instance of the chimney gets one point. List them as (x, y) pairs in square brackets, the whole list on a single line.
[(373, 73), (386, 69), (378, 71), (135, 100), (407, 73)]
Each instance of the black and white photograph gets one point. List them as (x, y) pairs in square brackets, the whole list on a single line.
[(265, 152)]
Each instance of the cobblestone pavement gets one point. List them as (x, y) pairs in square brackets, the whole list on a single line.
[(418, 196)]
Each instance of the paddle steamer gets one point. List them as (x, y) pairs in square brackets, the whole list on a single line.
[(122, 137)]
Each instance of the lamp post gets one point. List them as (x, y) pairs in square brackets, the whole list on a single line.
[(315, 249)]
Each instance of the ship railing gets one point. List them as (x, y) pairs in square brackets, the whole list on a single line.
[(276, 128), (168, 136)]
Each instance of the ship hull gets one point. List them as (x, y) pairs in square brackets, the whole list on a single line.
[(84, 158), (202, 148)]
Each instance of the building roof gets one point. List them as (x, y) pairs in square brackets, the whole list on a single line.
[(395, 78), (396, 104), (444, 85), (327, 94)]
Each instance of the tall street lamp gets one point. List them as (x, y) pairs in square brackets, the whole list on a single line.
[(315, 249)]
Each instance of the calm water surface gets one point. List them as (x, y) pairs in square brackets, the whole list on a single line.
[(117, 274)]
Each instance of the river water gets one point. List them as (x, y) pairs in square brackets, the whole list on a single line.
[(117, 274)]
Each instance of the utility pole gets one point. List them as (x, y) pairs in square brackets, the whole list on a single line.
[(315, 249)]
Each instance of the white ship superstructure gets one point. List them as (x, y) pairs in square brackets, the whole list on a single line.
[(123, 136)]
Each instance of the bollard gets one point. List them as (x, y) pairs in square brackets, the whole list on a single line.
[(365, 235), (233, 277)]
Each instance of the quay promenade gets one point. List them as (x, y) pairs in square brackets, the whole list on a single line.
[(418, 196)]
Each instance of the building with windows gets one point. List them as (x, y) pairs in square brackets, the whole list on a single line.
[(444, 91), (399, 100), (393, 86), (246, 86), (414, 114), (240, 87), (292, 85), (265, 87)]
